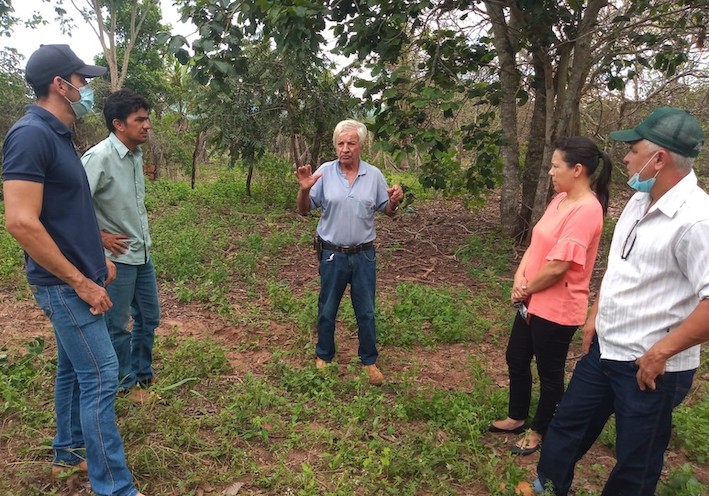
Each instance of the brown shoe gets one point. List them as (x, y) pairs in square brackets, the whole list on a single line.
[(375, 375), (58, 470), (320, 363), (139, 395), (148, 382)]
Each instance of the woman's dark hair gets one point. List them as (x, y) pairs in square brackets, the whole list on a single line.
[(120, 104), (581, 150)]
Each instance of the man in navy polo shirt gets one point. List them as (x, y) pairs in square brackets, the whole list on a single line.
[(48, 209), (349, 191)]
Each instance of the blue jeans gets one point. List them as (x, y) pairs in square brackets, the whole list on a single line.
[(85, 390), (134, 293), (337, 270), (599, 388)]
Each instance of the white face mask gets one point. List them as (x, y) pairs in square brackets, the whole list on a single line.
[(86, 100), (646, 185)]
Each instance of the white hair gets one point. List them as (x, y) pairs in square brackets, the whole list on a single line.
[(679, 161), (350, 125)]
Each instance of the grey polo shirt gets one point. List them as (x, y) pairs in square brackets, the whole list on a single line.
[(347, 217), (118, 188)]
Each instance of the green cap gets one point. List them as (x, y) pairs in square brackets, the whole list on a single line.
[(671, 128)]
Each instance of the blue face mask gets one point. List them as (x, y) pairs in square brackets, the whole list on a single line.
[(646, 185), (86, 100)]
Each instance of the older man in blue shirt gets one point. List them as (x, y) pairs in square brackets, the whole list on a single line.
[(114, 168), (349, 191)]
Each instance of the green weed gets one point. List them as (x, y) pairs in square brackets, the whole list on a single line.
[(691, 431), (422, 315), (682, 482), (489, 258), (17, 376), (12, 262)]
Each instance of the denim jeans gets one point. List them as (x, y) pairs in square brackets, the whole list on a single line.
[(85, 390), (134, 293), (598, 389), (359, 270), (549, 343)]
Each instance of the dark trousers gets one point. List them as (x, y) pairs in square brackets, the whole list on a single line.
[(548, 342), (598, 389)]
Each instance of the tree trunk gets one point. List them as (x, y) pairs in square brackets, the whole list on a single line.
[(249, 177), (295, 149), (509, 80), (195, 154), (563, 93), (315, 149), (533, 162)]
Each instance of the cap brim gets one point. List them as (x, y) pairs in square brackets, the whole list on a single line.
[(626, 135), (91, 71)]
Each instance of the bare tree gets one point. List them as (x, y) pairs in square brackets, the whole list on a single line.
[(102, 16)]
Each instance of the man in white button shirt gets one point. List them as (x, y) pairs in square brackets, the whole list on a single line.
[(641, 340)]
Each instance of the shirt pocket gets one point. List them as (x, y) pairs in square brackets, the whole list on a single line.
[(364, 208)]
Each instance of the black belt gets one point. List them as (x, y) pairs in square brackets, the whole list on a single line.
[(347, 249)]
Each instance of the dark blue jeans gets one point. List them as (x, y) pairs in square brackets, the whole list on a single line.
[(337, 270), (134, 293), (598, 389), (549, 343)]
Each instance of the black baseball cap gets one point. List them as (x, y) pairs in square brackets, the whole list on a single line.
[(49, 61), (672, 128)]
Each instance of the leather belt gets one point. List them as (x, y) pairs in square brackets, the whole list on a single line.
[(347, 249)]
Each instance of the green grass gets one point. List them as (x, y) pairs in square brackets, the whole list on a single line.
[(12, 261), (276, 424)]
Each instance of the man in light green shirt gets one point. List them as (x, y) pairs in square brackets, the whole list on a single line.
[(114, 168)]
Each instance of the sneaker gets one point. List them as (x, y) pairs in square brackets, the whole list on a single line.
[(320, 363), (375, 375), (58, 470), (537, 487)]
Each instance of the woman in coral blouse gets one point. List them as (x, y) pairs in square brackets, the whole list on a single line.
[(551, 286)]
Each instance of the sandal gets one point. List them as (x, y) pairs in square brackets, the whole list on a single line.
[(523, 448)]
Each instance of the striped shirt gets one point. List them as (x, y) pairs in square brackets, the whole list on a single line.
[(658, 271)]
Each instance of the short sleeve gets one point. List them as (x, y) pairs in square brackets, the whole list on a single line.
[(581, 227), (26, 153), (316, 192)]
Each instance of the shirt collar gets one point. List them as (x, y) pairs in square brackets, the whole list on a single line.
[(121, 148), (58, 126), (673, 200), (361, 170)]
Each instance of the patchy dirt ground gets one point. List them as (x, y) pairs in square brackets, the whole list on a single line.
[(419, 246)]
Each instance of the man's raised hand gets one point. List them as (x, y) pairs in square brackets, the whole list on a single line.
[(305, 176)]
